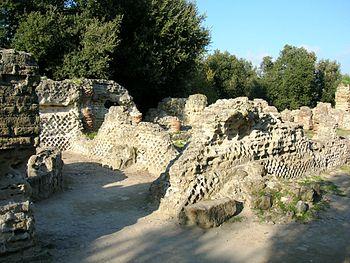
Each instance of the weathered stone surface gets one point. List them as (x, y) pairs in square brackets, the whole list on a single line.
[(18, 108), (301, 207), (326, 129), (232, 151), (17, 227), (304, 117), (342, 98), (287, 116), (264, 202), (69, 107), (45, 173), (187, 110), (19, 122), (210, 213), (120, 143)]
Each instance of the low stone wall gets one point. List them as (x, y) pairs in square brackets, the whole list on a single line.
[(121, 142), (45, 174), (187, 110), (19, 128), (69, 107), (236, 145), (17, 227), (311, 119)]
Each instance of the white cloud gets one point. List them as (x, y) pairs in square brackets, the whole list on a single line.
[(309, 48), (256, 57)]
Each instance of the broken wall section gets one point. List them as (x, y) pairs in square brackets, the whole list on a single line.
[(186, 110), (122, 142), (312, 119), (70, 107), (19, 131), (237, 144)]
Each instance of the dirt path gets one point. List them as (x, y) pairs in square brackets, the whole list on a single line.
[(104, 216)]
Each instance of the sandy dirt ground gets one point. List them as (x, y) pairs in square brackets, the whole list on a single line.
[(105, 216)]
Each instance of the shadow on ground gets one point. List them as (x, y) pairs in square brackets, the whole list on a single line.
[(105, 216), (96, 202), (324, 240)]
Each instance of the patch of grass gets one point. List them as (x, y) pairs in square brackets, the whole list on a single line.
[(343, 133), (236, 219), (306, 217), (321, 206), (77, 81), (179, 143), (331, 188), (91, 135), (286, 197), (309, 134), (345, 169)]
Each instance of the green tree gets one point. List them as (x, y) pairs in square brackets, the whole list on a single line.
[(161, 41), (93, 57), (13, 11), (290, 80), (43, 35), (152, 51), (346, 79), (231, 77), (328, 78)]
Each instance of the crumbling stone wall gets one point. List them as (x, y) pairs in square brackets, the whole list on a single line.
[(69, 107), (311, 119), (236, 145), (44, 173), (187, 110), (342, 104), (121, 142), (19, 130)]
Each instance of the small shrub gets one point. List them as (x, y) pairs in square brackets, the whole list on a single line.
[(91, 135)]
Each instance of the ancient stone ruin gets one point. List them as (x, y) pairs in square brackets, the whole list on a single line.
[(186, 110), (232, 146), (19, 120), (324, 120), (19, 132), (44, 173), (233, 151), (70, 107), (122, 142)]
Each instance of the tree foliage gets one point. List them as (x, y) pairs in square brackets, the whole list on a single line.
[(230, 77), (346, 79), (149, 46), (328, 78), (156, 48), (295, 79)]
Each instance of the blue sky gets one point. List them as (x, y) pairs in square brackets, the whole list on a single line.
[(253, 29)]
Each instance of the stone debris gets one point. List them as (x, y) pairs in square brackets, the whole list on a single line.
[(211, 213), (44, 173)]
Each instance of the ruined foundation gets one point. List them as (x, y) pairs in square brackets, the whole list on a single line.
[(234, 149), (70, 108)]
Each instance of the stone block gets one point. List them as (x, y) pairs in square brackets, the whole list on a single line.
[(211, 213), (45, 173)]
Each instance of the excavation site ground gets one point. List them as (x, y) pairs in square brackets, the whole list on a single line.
[(106, 216)]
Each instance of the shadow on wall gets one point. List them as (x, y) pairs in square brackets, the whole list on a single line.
[(323, 240)]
